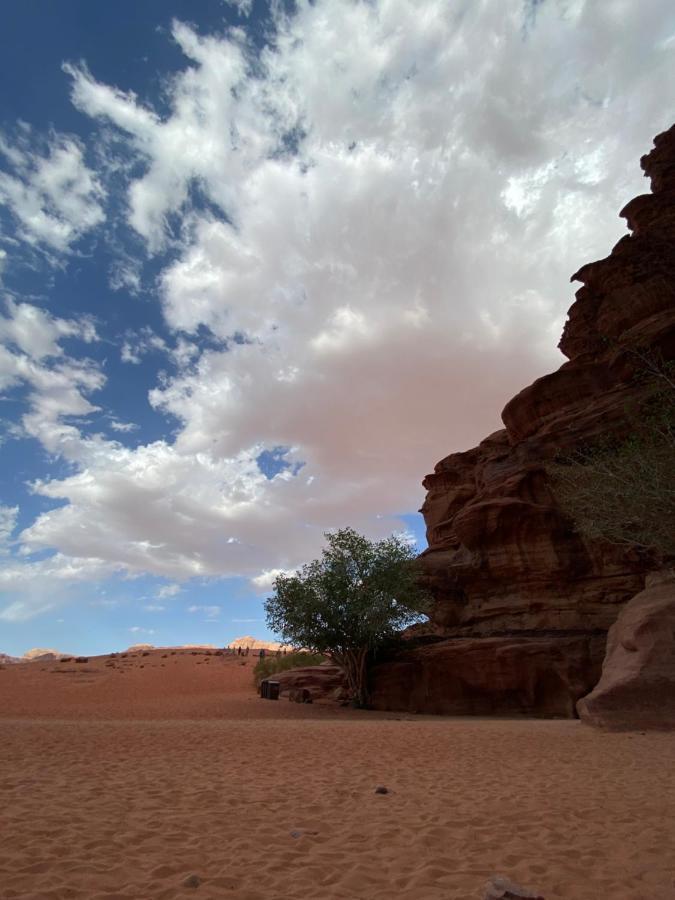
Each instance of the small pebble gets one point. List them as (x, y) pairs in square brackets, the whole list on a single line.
[(381, 790), (192, 881)]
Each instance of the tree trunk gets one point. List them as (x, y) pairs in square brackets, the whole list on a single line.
[(354, 664)]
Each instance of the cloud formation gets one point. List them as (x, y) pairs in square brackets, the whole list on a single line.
[(374, 222), (52, 195)]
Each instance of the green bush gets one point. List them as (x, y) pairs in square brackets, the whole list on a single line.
[(270, 665)]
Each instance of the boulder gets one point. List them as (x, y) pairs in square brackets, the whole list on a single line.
[(312, 683), (637, 687), (510, 675)]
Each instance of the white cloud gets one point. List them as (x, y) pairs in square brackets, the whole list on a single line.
[(124, 427), (266, 579), (243, 7), (35, 332), (397, 196), (136, 629), (211, 612), (154, 607), (137, 344), (168, 590), (54, 197), (29, 588), (8, 517), (58, 384)]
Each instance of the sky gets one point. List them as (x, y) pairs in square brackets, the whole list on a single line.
[(263, 264)]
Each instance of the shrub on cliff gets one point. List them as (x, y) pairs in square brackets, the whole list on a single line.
[(624, 490), (349, 602)]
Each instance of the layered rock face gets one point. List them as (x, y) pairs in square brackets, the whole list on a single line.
[(503, 559), (501, 554), (532, 676), (319, 682)]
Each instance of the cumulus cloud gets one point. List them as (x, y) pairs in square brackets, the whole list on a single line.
[(377, 221), (168, 590), (53, 196), (58, 384), (266, 579)]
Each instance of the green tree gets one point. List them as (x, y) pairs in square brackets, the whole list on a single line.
[(347, 603)]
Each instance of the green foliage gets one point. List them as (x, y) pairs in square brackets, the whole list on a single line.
[(347, 603), (624, 490), (271, 665)]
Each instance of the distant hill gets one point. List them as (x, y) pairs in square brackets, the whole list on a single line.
[(255, 644), (42, 654), (6, 660), (135, 647)]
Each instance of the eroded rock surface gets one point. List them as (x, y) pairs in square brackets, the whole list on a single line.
[(637, 687), (501, 554), (503, 559), (322, 682), (518, 675)]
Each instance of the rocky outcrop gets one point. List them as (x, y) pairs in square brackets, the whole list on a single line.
[(7, 660), (324, 682), (522, 676), (501, 555), (42, 654), (637, 687), (503, 559), (254, 644)]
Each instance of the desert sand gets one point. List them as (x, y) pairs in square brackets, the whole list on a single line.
[(138, 777)]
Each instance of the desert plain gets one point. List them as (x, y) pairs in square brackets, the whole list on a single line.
[(162, 774)]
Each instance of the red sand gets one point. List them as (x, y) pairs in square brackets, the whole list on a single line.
[(121, 781)]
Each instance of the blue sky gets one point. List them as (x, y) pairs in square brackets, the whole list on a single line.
[(262, 265)]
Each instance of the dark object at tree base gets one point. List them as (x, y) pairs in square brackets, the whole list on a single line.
[(299, 695), (269, 690)]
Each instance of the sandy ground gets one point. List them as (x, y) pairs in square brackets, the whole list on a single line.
[(122, 781)]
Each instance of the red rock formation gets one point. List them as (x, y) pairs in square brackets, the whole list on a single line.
[(533, 676), (501, 554), (323, 682), (637, 687), (502, 557)]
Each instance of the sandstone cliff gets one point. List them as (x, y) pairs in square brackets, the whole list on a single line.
[(501, 554), (503, 560)]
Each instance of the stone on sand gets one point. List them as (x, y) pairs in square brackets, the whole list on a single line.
[(499, 888)]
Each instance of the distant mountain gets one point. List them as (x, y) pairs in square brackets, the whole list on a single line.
[(6, 660), (135, 647), (255, 643), (42, 654)]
